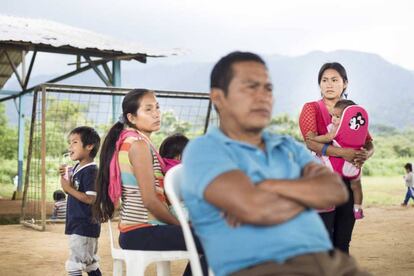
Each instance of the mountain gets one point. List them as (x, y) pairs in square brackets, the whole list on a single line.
[(385, 89)]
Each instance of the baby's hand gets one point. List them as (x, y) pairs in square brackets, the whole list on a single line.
[(358, 213)]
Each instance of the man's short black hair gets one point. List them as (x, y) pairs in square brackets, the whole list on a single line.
[(222, 73), (88, 136), (409, 167)]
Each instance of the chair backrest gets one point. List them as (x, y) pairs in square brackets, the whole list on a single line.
[(111, 237), (172, 182)]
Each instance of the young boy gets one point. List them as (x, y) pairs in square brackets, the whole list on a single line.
[(327, 138), (171, 150), (409, 183), (59, 208), (80, 187)]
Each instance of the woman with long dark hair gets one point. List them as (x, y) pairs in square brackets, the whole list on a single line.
[(131, 170), (314, 120)]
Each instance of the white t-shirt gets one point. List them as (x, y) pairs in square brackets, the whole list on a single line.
[(409, 179)]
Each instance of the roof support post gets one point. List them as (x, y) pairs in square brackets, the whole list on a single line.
[(97, 71), (23, 53), (108, 72), (78, 61), (116, 82), (57, 79), (20, 153), (29, 71)]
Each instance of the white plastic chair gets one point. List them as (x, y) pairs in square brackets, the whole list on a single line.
[(172, 182), (136, 261)]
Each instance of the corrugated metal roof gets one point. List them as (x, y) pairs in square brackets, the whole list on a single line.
[(17, 34), (6, 69), (46, 32)]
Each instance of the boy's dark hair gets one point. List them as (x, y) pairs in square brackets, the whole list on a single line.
[(409, 167), (88, 136), (342, 104), (173, 146), (338, 68), (222, 73), (58, 195)]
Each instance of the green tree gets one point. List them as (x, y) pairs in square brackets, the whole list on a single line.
[(8, 137), (61, 117), (66, 114), (170, 124), (283, 124)]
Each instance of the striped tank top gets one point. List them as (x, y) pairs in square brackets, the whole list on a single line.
[(59, 209), (133, 214)]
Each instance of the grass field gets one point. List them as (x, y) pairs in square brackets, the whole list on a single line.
[(378, 190), (384, 191)]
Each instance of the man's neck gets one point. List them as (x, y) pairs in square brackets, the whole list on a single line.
[(250, 137)]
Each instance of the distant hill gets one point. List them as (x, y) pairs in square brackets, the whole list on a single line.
[(385, 89)]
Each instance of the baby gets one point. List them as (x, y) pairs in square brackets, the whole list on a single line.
[(328, 138)]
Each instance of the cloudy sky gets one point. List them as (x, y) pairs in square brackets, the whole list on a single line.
[(208, 29)]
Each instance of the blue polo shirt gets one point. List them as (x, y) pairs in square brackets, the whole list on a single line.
[(232, 249)]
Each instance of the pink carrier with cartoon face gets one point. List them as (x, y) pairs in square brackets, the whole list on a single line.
[(351, 133)]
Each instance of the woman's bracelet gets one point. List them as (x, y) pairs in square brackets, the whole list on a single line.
[(324, 148)]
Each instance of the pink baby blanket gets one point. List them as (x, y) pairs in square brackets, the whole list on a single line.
[(351, 133)]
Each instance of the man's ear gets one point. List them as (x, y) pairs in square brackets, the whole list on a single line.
[(216, 96)]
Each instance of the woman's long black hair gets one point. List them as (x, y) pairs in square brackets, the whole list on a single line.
[(103, 208)]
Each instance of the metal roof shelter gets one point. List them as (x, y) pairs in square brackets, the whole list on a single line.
[(20, 36)]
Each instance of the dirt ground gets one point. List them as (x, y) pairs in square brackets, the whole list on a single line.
[(381, 244)]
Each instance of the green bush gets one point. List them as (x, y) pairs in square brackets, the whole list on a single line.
[(8, 141), (384, 167), (8, 170)]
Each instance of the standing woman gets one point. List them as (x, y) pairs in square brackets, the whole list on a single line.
[(131, 170), (313, 120)]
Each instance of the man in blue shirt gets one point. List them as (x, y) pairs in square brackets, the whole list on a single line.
[(251, 194)]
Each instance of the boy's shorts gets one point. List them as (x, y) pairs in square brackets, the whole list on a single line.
[(82, 254)]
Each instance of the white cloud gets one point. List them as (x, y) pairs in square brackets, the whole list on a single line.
[(211, 28)]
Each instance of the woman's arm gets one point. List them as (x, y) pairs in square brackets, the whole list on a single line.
[(345, 153), (327, 138), (141, 160), (308, 127)]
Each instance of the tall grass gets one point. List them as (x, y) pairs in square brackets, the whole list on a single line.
[(378, 190), (383, 190)]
